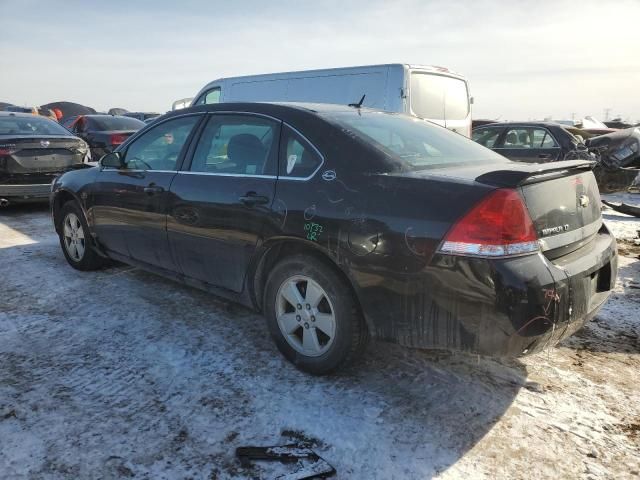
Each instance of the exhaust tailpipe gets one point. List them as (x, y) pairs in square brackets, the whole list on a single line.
[(4, 202)]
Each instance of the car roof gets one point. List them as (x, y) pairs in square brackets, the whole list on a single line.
[(273, 107), (101, 115), (19, 114)]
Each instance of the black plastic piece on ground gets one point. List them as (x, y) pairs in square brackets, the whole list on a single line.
[(316, 468)]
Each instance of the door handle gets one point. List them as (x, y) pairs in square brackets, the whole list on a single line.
[(252, 198), (153, 189)]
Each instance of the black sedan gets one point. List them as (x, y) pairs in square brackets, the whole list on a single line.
[(342, 223), (104, 133), (33, 151), (537, 142)]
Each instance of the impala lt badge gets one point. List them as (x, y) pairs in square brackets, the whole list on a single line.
[(557, 229)]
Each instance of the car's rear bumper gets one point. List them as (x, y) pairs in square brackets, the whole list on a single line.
[(25, 192), (506, 307)]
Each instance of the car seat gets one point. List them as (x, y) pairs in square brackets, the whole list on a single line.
[(247, 152), (523, 140), (511, 138)]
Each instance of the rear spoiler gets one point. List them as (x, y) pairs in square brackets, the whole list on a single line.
[(527, 173)]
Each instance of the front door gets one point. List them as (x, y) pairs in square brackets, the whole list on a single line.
[(129, 205), (220, 202)]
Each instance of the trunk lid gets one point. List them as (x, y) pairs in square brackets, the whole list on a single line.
[(27, 154), (562, 197), (565, 211)]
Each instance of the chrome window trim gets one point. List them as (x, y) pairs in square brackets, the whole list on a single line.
[(135, 170), (278, 177), (186, 172)]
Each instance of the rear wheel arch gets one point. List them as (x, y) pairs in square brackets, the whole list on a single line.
[(276, 251)]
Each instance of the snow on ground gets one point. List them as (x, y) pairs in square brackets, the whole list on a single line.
[(122, 374), (624, 227)]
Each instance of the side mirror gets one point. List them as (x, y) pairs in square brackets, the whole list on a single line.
[(112, 160)]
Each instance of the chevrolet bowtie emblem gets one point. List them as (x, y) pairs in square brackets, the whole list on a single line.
[(583, 200)]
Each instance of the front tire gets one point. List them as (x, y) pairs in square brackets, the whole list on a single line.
[(312, 315), (75, 239)]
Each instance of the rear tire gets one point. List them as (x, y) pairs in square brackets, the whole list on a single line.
[(75, 239), (312, 315)]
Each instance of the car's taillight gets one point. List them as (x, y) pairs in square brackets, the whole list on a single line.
[(118, 138), (498, 226), (5, 152)]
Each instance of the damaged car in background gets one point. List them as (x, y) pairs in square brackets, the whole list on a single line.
[(618, 155), (536, 142), (342, 223), (33, 151)]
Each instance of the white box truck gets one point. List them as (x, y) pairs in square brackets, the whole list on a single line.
[(433, 93)]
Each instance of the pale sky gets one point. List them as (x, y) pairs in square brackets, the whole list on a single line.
[(523, 59)]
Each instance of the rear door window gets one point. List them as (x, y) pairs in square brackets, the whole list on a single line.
[(237, 144), (528, 138), (543, 139)]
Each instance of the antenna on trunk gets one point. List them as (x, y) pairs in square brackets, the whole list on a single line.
[(359, 104)]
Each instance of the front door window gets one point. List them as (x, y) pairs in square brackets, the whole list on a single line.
[(161, 147)]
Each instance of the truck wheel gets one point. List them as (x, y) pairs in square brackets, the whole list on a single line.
[(312, 315), (75, 239)]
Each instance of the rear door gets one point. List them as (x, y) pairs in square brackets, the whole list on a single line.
[(221, 201), (529, 144), (129, 205)]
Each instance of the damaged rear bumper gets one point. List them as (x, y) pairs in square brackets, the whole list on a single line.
[(506, 307)]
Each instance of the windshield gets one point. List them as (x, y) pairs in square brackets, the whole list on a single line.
[(438, 97), (14, 125), (114, 123), (418, 143)]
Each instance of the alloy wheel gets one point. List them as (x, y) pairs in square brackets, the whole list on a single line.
[(74, 241), (305, 316)]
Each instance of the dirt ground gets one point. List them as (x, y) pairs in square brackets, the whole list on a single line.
[(122, 374)]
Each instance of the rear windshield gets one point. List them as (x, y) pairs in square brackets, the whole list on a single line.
[(30, 126), (114, 123), (418, 143), (438, 97)]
